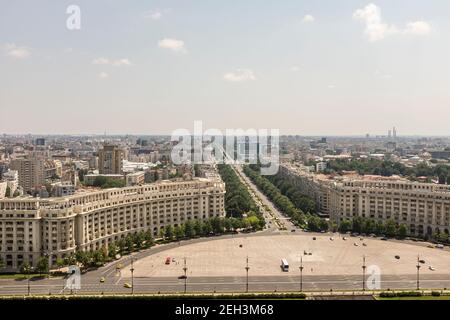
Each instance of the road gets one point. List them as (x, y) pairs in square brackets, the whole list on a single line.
[(288, 283), (283, 220)]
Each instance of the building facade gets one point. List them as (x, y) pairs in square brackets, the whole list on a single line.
[(110, 160), (56, 227), (31, 172), (423, 207)]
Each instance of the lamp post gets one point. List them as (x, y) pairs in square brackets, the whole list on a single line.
[(185, 276), (418, 269), (364, 273), (246, 269), (28, 280), (301, 274), (132, 276)]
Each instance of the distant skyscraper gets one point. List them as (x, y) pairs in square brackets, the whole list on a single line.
[(394, 133), (31, 172), (40, 142), (110, 160), (389, 134)]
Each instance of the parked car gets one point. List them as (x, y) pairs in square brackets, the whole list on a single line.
[(422, 261), (102, 279), (397, 257), (314, 238), (355, 244), (384, 239), (440, 246), (127, 285), (331, 238), (431, 268), (364, 244)]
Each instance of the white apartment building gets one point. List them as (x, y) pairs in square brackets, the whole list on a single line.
[(423, 207), (56, 227)]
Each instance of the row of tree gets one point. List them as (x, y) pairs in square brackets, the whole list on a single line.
[(301, 201), (282, 202), (238, 200)]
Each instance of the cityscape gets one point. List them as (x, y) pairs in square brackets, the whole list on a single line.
[(324, 175)]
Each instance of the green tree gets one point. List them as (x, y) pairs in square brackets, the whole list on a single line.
[(345, 226), (179, 232), (42, 265), (162, 233), (198, 227), (169, 232), (207, 227), (112, 250), (391, 228), (26, 268), (60, 263), (402, 231), (189, 229), (148, 237)]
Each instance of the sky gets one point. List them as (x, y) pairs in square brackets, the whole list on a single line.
[(323, 67)]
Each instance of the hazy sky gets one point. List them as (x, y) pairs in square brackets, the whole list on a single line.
[(304, 67)]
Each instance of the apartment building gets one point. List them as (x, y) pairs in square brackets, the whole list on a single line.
[(89, 220), (31, 172), (110, 160), (423, 207)]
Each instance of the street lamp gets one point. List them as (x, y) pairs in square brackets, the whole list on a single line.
[(246, 269), (185, 275), (364, 273), (132, 276), (301, 273), (418, 269)]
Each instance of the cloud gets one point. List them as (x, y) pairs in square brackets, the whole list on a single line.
[(103, 75), (17, 52), (154, 14), (115, 63), (239, 75), (308, 18), (172, 44), (376, 29), (419, 28), (295, 68)]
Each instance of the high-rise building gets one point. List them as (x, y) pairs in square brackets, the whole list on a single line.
[(31, 172), (110, 160), (394, 133)]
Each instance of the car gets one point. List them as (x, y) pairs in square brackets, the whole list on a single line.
[(293, 230), (364, 244), (431, 268), (102, 279), (168, 260), (314, 238), (355, 244), (384, 239), (422, 261), (440, 246), (430, 246), (373, 235), (332, 239), (182, 277), (344, 238), (397, 257), (127, 285)]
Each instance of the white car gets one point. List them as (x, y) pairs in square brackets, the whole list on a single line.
[(332, 239), (356, 245), (431, 268)]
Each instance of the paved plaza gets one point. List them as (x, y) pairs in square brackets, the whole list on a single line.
[(339, 257)]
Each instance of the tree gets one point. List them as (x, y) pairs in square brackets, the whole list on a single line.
[(26, 268), (207, 228), (42, 265), (391, 228), (148, 237), (198, 227), (179, 232), (169, 232), (112, 250), (189, 229), (162, 233), (70, 260), (402, 231), (129, 243), (60, 263), (345, 226)]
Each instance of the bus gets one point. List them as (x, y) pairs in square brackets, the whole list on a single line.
[(284, 265)]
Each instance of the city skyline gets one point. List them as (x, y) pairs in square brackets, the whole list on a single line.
[(152, 67)]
